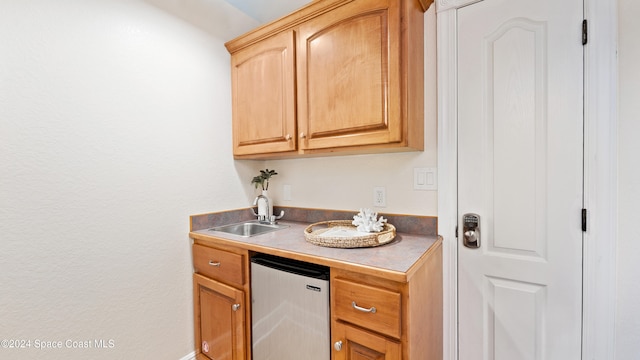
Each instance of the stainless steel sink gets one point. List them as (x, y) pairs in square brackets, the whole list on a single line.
[(248, 228)]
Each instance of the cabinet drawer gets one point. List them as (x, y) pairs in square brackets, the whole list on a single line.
[(367, 306), (218, 264)]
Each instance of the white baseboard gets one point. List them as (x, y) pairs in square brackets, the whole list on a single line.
[(190, 356)]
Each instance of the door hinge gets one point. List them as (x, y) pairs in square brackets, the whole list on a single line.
[(585, 36), (456, 231), (584, 219)]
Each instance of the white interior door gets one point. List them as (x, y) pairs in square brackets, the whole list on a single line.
[(520, 169)]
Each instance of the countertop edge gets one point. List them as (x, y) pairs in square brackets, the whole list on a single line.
[(394, 275)]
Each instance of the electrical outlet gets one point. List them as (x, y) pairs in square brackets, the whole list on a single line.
[(379, 196)]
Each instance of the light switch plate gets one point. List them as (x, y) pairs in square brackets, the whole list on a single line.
[(425, 178)]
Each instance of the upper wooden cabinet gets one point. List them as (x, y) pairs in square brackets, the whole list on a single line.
[(335, 76), (264, 118)]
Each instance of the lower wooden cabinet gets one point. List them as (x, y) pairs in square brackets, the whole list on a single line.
[(221, 303), (351, 343), (373, 316), (377, 318), (220, 320)]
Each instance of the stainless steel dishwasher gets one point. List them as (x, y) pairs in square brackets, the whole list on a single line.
[(289, 309)]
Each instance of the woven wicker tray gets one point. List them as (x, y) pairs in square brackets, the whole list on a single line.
[(342, 234)]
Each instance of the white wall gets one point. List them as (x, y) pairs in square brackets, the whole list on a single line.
[(114, 128), (628, 257)]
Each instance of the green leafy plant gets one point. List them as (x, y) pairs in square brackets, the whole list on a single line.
[(263, 178)]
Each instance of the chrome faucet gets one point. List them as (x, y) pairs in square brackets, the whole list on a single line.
[(268, 217)]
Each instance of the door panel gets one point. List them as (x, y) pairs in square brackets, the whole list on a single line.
[(517, 315), (348, 89), (264, 117), (520, 169), (358, 344), (516, 82), (220, 320)]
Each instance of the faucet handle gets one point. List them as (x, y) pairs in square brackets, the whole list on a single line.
[(272, 219)]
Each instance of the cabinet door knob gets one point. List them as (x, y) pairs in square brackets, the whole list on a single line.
[(214, 263), (288, 137), (235, 307), (302, 135), (338, 345)]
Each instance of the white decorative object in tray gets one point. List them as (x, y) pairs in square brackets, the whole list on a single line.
[(367, 221)]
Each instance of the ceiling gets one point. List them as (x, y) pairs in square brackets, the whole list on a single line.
[(220, 18), (265, 11)]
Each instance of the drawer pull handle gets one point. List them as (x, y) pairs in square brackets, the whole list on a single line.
[(370, 310), (216, 264)]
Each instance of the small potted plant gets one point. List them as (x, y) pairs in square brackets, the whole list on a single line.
[(263, 179)]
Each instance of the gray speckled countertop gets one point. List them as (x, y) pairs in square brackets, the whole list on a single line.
[(393, 260)]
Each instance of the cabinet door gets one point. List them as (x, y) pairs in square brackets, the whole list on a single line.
[(356, 344), (220, 321), (349, 78), (263, 96)]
